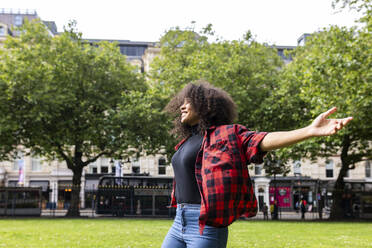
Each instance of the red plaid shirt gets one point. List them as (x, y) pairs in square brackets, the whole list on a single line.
[(222, 175)]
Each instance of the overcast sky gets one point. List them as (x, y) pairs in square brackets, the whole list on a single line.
[(278, 22)]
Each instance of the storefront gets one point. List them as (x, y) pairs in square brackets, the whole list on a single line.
[(64, 194), (45, 190), (283, 195), (288, 191)]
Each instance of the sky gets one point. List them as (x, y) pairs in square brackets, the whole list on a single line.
[(279, 22)]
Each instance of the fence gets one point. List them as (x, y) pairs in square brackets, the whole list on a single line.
[(20, 201)]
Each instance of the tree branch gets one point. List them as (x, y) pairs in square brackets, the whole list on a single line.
[(63, 155), (94, 158)]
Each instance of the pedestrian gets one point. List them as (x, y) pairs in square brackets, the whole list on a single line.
[(276, 210), (303, 207), (320, 207), (265, 210), (212, 187), (272, 211), (297, 206)]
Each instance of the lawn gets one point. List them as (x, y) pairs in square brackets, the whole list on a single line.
[(150, 233)]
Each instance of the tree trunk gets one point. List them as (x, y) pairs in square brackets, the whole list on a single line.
[(74, 208), (337, 209)]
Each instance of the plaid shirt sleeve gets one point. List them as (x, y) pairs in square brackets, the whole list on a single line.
[(250, 141)]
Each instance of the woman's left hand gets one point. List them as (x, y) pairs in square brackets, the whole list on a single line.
[(322, 126)]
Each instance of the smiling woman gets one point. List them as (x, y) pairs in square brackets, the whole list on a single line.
[(188, 114), (213, 106), (212, 187)]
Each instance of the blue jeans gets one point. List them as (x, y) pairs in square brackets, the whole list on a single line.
[(185, 231)]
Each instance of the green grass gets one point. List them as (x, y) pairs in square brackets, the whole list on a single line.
[(150, 233)]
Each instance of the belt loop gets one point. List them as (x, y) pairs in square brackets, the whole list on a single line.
[(183, 221)]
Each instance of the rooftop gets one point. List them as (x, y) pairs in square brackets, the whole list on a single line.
[(18, 11), (124, 42)]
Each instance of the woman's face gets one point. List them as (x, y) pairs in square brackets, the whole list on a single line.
[(188, 114)]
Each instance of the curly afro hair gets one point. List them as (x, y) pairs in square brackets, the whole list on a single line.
[(214, 107)]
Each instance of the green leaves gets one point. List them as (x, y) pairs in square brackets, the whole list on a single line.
[(59, 94), (332, 69), (247, 71)]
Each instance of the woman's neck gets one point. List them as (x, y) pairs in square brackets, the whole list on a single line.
[(195, 129)]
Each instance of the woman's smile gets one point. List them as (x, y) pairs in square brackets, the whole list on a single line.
[(188, 114)]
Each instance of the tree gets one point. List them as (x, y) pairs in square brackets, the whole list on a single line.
[(363, 6), (246, 69), (334, 69), (72, 101)]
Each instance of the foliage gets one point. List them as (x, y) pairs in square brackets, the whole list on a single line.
[(68, 100), (246, 69), (275, 165), (363, 6), (334, 69)]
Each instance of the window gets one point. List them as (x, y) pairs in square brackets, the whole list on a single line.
[(329, 168), (135, 169), (368, 169), (93, 167), (162, 164), (36, 164), (2, 30), (347, 173), (132, 50), (297, 168), (258, 169), (162, 170), (135, 165), (12, 183), (18, 20), (135, 162), (104, 169)]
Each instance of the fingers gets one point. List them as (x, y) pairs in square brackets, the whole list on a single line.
[(346, 120), (329, 112), (336, 126), (340, 123)]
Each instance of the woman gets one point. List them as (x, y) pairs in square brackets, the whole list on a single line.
[(212, 187)]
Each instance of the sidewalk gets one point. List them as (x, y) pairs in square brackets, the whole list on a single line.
[(62, 212), (293, 216), (91, 214)]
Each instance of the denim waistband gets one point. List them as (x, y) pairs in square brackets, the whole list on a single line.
[(188, 206)]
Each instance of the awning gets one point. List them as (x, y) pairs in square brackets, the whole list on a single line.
[(43, 184), (64, 184)]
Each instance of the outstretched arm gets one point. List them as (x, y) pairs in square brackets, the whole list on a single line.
[(321, 126)]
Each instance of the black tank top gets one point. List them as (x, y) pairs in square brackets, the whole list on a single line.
[(183, 162)]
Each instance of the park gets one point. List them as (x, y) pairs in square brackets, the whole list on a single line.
[(90, 131)]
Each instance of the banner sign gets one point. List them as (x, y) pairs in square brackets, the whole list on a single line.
[(283, 195)]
